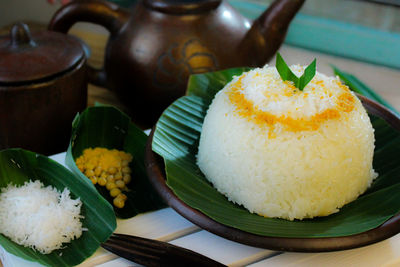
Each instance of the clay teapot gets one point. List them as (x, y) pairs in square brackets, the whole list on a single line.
[(152, 51), (43, 84)]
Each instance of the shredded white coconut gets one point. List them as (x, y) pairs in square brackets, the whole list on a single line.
[(39, 217), (266, 89)]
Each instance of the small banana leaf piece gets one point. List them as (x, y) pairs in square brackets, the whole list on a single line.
[(106, 126), (176, 139), (18, 166)]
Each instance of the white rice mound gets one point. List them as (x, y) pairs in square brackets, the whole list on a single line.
[(39, 217), (314, 155)]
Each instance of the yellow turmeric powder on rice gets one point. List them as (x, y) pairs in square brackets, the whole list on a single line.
[(109, 168)]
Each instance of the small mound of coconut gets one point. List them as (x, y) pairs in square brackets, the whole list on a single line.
[(39, 217)]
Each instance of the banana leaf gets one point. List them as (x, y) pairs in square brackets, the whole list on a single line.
[(18, 166), (176, 139), (106, 126)]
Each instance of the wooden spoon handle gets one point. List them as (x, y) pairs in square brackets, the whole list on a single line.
[(155, 253)]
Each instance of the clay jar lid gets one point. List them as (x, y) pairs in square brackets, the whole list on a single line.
[(27, 57)]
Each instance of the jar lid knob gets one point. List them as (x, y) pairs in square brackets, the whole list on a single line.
[(21, 35)]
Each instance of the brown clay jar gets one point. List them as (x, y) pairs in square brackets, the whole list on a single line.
[(43, 84)]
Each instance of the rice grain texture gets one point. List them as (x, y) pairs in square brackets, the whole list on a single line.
[(285, 153)]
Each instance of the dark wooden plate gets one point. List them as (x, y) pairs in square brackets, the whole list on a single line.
[(156, 172)]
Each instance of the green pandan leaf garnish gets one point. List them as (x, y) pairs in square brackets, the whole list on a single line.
[(287, 75)]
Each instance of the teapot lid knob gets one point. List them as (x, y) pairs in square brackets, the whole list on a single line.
[(21, 35)]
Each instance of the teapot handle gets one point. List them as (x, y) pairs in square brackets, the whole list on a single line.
[(103, 13)]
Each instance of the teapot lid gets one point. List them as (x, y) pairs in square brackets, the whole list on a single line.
[(26, 57), (182, 6)]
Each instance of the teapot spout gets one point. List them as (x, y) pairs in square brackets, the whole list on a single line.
[(269, 30)]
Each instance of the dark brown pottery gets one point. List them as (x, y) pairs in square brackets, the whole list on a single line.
[(43, 84), (156, 172), (152, 51)]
